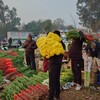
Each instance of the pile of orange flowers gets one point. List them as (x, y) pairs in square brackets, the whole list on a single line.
[(9, 71), (11, 53)]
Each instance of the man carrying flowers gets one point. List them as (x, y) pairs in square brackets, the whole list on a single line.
[(52, 47)]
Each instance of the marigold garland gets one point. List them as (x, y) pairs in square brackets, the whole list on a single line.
[(50, 45)]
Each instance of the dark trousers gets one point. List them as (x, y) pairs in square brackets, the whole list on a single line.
[(30, 60), (54, 81), (76, 69)]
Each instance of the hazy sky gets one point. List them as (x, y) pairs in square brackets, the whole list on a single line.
[(29, 10)]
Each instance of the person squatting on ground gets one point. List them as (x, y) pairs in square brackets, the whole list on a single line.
[(30, 46), (54, 73), (75, 54)]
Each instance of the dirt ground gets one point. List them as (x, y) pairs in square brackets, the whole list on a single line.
[(91, 93)]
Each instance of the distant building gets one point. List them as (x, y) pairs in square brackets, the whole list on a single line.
[(16, 35)]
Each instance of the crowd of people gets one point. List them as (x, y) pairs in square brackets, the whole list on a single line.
[(76, 56), (79, 59), (5, 44), (54, 65)]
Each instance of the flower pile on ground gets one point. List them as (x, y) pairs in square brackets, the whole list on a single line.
[(8, 68), (32, 93), (18, 62), (12, 53), (23, 83)]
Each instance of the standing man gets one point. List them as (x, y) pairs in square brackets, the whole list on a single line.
[(10, 41), (30, 46), (54, 73), (75, 54)]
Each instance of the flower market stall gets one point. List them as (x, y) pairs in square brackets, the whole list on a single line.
[(20, 82)]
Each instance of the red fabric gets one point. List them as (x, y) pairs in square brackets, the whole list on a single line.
[(45, 68), (89, 37)]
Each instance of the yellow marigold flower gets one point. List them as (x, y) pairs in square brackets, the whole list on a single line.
[(50, 45), (54, 36), (52, 53), (58, 52), (48, 56)]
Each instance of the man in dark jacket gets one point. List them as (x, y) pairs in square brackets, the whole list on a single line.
[(30, 46), (54, 73), (75, 54)]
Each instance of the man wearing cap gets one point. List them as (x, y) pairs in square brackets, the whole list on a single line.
[(30, 46)]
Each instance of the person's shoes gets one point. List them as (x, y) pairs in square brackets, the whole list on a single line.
[(78, 87), (25, 65), (73, 83)]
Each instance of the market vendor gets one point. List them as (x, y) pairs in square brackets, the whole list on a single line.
[(30, 46), (75, 54)]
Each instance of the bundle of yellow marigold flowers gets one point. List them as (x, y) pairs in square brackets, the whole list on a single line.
[(50, 45)]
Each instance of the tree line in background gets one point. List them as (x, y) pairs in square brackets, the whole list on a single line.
[(88, 11), (44, 26), (89, 14), (8, 19)]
